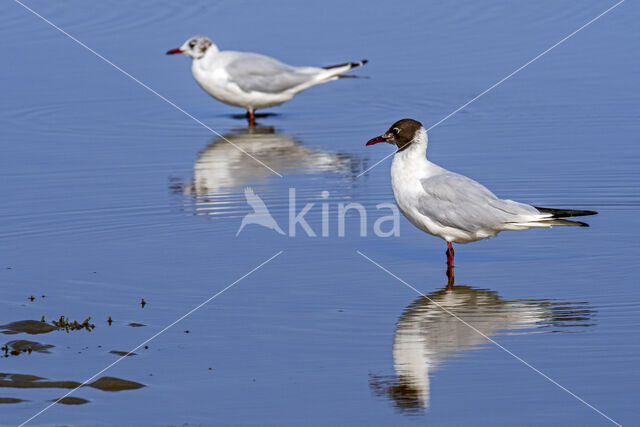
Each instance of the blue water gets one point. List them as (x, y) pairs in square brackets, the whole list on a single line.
[(110, 196)]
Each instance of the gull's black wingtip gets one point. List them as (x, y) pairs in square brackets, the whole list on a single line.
[(351, 64), (566, 213)]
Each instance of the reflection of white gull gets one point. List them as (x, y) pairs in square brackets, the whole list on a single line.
[(260, 215), (426, 336), (222, 166)]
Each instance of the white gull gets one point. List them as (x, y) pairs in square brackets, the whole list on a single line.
[(250, 80), (449, 205)]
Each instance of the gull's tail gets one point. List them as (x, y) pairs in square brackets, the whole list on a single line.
[(330, 73), (557, 216)]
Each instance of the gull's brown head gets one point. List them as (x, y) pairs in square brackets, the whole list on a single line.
[(402, 133)]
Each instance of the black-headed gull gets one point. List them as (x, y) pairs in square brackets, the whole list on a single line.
[(449, 205), (251, 80)]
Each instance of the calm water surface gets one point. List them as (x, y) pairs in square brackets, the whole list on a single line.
[(111, 196)]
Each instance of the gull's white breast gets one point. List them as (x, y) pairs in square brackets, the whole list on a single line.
[(409, 167)]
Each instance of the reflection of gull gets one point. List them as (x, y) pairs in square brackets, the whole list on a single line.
[(222, 165), (427, 337), (260, 215)]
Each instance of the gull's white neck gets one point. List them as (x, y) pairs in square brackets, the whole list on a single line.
[(412, 162), (416, 149), (409, 167)]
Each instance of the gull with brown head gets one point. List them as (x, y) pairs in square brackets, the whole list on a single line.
[(449, 205)]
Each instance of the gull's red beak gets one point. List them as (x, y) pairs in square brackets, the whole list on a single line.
[(377, 140), (174, 51)]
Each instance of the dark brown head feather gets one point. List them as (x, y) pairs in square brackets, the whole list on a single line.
[(402, 132)]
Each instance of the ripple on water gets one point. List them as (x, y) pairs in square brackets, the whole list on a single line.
[(104, 118), (106, 18)]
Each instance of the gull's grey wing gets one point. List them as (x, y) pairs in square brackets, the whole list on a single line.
[(456, 201), (255, 72)]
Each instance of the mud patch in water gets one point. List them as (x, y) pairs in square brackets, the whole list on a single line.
[(18, 347), (33, 381), (11, 400), (70, 400), (32, 327), (115, 384), (122, 353)]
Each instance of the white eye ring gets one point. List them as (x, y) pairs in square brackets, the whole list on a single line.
[(396, 130)]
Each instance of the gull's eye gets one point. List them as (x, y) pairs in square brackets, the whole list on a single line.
[(395, 131), (192, 44)]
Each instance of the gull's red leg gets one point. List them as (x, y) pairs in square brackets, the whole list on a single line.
[(252, 117), (449, 254), (450, 276)]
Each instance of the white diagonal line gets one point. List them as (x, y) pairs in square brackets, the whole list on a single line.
[(143, 85), (154, 336), (490, 88), (376, 164), (497, 344)]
